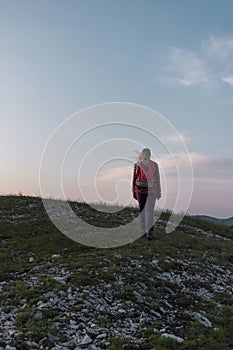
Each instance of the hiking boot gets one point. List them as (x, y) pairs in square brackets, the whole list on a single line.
[(149, 235)]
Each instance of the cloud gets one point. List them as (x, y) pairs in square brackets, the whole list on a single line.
[(220, 47), (177, 138), (213, 171), (220, 50), (210, 169), (228, 80), (114, 175), (110, 185), (210, 66), (210, 172), (213, 185), (186, 68)]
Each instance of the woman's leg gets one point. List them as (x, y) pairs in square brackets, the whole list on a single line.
[(142, 198), (150, 214)]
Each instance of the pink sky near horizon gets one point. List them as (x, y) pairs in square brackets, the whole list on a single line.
[(212, 191)]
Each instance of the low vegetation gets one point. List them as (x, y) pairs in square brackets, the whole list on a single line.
[(174, 292)]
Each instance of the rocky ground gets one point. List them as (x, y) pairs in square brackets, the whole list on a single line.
[(174, 292)]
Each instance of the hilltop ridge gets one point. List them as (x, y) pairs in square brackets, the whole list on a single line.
[(228, 222), (174, 292)]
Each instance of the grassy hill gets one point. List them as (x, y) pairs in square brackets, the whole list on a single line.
[(228, 222), (174, 292)]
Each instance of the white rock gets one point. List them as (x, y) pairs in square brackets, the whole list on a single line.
[(155, 261), (155, 313), (56, 256), (31, 259), (60, 279), (162, 309), (73, 322), (107, 343), (85, 311), (122, 311), (172, 336), (118, 257), (101, 336), (11, 333), (204, 320), (86, 340), (93, 347)]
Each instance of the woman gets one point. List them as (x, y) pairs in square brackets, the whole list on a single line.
[(146, 189)]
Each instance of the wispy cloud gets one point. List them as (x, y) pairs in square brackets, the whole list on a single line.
[(208, 167), (177, 138), (228, 80), (114, 175), (186, 68), (210, 172), (220, 47), (210, 66), (213, 170), (212, 185)]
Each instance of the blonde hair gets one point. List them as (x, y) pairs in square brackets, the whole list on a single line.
[(144, 155)]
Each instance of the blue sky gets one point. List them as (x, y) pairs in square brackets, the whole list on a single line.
[(175, 57)]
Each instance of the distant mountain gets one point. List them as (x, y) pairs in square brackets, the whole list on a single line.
[(227, 222)]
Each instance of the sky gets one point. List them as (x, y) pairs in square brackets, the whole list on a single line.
[(173, 57)]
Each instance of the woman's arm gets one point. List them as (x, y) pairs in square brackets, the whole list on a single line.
[(135, 175), (157, 182)]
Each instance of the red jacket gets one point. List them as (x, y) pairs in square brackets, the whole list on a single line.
[(156, 188)]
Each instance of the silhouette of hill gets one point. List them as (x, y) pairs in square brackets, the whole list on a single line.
[(228, 222)]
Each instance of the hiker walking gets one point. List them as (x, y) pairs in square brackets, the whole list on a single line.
[(146, 189)]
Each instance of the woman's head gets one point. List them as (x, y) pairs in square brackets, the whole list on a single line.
[(145, 155)]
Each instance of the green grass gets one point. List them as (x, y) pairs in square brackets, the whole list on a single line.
[(26, 231)]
